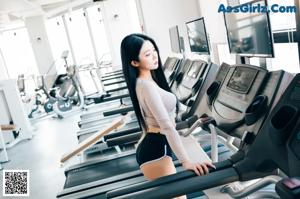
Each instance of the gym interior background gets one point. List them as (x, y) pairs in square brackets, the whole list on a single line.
[(61, 86)]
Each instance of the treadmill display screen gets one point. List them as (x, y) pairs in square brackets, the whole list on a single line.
[(194, 70), (242, 79), (171, 64), (222, 73)]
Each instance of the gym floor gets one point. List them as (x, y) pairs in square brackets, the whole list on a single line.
[(41, 155)]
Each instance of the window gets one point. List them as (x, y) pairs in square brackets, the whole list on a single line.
[(17, 53), (224, 54), (282, 25), (286, 58), (98, 32), (282, 21), (80, 37), (58, 41)]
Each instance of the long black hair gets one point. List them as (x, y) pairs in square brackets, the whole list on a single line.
[(130, 49)]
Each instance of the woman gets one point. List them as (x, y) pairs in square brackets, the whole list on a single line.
[(155, 107)]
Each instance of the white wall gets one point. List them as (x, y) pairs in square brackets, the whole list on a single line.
[(160, 15), (41, 47), (118, 27)]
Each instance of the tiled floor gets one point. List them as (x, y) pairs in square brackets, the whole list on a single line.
[(41, 155)]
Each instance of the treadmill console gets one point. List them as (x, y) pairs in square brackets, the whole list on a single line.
[(171, 64), (224, 68), (194, 73), (194, 69), (192, 80), (241, 85), (242, 79), (214, 87)]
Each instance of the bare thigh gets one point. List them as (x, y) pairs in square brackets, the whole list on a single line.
[(159, 168)]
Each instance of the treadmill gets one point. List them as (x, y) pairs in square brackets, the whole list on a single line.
[(195, 80), (275, 146), (132, 178), (243, 98), (186, 88), (208, 77), (170, 68), (92, 125)]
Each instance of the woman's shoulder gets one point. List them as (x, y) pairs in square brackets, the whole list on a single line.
[(145, 83), (145, 87)]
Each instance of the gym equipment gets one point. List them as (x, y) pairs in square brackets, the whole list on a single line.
[(275, 146), (289, 188), (91, 175), (43, 106), (188, 86), (86, 167), (92, 140), (4, 151), (29, 101), (170, 68), (99, 190), (239, 103), (68, 96), (170, 71), (192, 82), (13, 113)]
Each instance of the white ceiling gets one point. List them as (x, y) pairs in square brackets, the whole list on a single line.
[(14, 11)]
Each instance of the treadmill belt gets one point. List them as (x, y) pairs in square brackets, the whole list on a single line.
[(101, 170)]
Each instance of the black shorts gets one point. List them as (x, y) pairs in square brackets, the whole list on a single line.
[(153, 147)]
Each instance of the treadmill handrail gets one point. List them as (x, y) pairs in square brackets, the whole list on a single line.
[(111, 78), (94, 139), (197, 124), (115, 97), (186, 186), (187, 123), (112, 83), (118, 111), (113, 74), (164, 180), (117, 89), (8, 127), (125, 139), (122, 133)]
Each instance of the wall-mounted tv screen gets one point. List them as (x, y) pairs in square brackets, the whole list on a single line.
[(197, 36), (174, 39), (249, 33)]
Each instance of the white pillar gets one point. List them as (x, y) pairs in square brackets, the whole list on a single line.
[(3, 70), (69, 39), (41, 47), (91, 35)]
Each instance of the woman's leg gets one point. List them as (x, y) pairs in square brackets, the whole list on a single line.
[(159, 168)]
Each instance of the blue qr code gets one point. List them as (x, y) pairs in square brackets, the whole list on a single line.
[(16, 183)]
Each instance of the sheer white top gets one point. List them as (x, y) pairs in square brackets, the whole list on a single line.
[(158, 109)]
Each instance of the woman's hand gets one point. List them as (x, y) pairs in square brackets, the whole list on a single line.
[(198, 168)]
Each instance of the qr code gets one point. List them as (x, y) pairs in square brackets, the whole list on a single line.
[(15, 182)]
